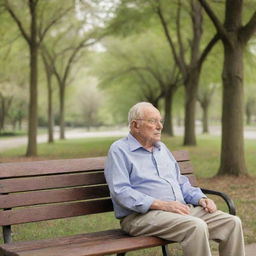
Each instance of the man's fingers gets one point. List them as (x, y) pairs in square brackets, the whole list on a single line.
[(184, 209), (178, 207), (203, 204), (210, 206)]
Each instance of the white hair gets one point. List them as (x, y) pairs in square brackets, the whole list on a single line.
[(136, 111)]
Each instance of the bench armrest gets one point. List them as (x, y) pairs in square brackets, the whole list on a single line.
[(225, 197)]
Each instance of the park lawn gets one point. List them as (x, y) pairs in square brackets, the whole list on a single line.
[(19, 133), (205, 159)]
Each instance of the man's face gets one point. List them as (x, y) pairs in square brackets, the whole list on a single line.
[(149, 126)]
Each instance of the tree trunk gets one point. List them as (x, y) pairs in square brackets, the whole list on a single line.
[(50, 112), (62, 112), (248, 118), (191, 87), (32, 119), (205, 118), (20, 124), (232, 147), (48, 72), (14, 126), (193, 72), (248, 111), (168, 124), (5, 103), (205, 103), (2, 115)]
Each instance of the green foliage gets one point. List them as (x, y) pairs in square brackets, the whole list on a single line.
[(131, 17), (132, 72)]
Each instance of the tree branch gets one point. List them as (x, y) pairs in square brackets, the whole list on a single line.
[(17, 20), (197, 22), (249, 29), (207, 49), (181, 47), (218, 25), (43, 32), (169, 39), (83, 44)]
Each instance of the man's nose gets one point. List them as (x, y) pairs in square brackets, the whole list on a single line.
[(159, 125)]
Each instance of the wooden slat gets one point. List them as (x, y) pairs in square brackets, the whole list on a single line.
[(74, 239), (35, 168), (186, 167), (99, 248), (51, 181), (33, 214), (181, 155), (94, 247), (8, 170), (192, 180), (53, 196)]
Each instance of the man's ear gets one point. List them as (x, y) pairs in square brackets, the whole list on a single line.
[(134, 125)]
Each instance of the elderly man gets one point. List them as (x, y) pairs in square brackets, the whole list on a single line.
[(152, 198)]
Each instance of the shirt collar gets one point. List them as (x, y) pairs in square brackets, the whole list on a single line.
[(134, 144)]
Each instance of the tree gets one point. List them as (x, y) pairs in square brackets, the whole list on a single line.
[(209, 82), (49, 74), (190, 69), (5, 103), (250, 109), (62, 55), (234, 36), (12, 102), (13, 77), (204, 98), (33, 27)]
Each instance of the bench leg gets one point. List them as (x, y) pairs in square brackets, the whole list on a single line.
[(7, 234), (121, 254), (165, 250)]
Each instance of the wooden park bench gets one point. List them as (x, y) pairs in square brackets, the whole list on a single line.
[(54, 189)]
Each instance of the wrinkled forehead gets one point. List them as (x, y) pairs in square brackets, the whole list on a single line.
[(150, 112)]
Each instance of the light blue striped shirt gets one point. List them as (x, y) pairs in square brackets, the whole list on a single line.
[(136, 177)]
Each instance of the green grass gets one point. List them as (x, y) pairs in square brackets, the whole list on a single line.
[(205, 160), (73, 148), (8, 135)]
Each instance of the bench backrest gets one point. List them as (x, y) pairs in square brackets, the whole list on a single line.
[(53, 189)]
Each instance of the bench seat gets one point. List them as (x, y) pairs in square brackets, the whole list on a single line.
[(91, 244)]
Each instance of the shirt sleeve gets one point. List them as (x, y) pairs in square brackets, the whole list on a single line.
[(117, 176), (191, 194)]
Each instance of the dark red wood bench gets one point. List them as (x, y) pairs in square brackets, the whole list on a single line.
[(54, 189)]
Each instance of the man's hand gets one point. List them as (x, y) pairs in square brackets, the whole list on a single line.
[(173, 206), (208, 205)]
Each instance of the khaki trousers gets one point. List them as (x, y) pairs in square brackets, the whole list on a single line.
[(192, 231)]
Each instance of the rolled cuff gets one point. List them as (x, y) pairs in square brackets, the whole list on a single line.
[(195, 199), (144, 206)]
